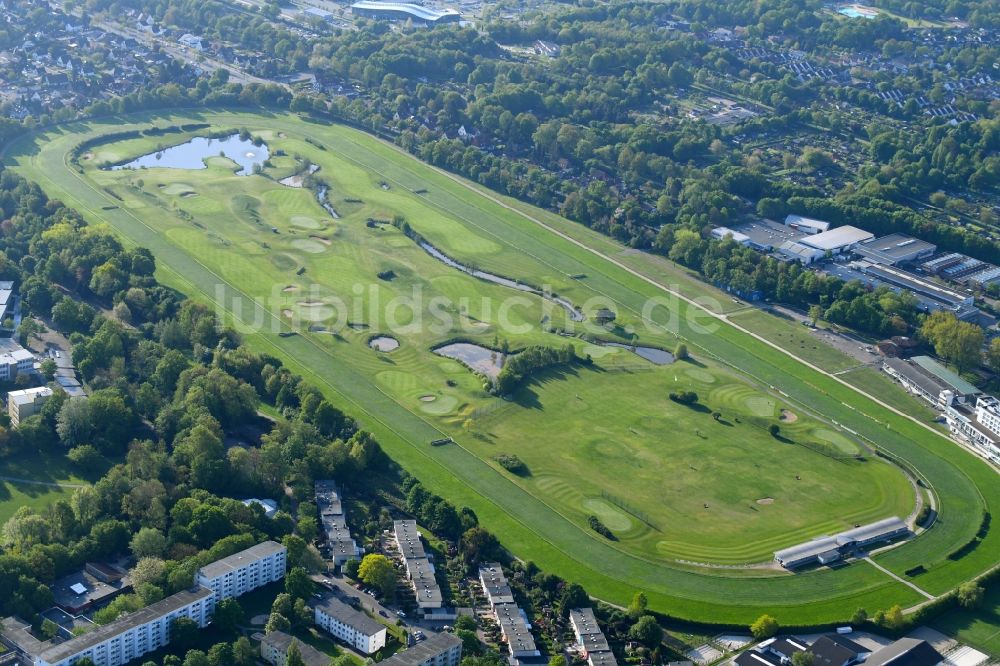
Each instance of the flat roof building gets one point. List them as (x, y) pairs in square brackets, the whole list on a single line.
[(980, 427), (82, 590), (895, 249), (721, 233), (15, 360), (333, 521), (131, 635), (495, 586), (244, 571), (765, 235), (22, 404), (515, 631), (440, 649), (826, 550), (590, 638), (806, 224), (419, 569), (932, 296), (402, 11), (352, 627), (796, 251), (837, 240)]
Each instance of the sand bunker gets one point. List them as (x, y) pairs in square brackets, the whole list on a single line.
[(287, 313), (428, 398), (766, 500), (788, 417), (310, 304), (290, 288), (324, 241)]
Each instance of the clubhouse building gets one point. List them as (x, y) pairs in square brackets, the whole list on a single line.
[(830, 549)]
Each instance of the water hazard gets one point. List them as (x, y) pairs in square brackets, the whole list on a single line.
[(480, 359), (192, 155)]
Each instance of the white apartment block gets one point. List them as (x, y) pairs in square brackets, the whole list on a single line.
[(24, 403), (979, 427), (242, 572), (132, 635), (988, 413), (356, 629)]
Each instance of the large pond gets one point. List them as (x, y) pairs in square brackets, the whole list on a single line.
[(480, 359), (574, 314), (651, 354), (192, 155)]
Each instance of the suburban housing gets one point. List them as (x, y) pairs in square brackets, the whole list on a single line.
[(590, 638), (513, 622), (353, 627), (334, 523), (419, 569)]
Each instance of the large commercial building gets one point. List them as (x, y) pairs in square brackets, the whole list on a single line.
[(930, 295), (333, 520), (895, 249), (127, 638), (274, 650), (24, 403), (244, 571), (442, 649), (590, 638), (419, 569), (826, 550), (806, 225), (404, 11), (354, 628), (837, 240)]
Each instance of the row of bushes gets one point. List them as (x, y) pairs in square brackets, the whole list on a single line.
[(601, 528), (531, 359)]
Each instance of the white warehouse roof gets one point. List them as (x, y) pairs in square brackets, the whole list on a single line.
[(837, 239)]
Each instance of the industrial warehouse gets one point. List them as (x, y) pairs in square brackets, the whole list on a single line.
[(404, 11)]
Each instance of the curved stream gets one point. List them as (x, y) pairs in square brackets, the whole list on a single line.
[(574, 314)]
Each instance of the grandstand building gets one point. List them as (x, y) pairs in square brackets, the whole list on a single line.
[(826, 550), (403, 11)]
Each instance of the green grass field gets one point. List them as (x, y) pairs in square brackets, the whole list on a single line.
[(979, 628), (44, 472), (211, 232)]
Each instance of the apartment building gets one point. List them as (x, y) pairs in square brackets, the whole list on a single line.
[(590, 639), (242, 572), (352, 627), (333, 520), (24, 403), (274, 650), (132, 635)]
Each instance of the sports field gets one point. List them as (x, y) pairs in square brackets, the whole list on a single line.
[(643, 464)]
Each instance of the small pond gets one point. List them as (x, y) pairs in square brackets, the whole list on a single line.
[(480, 359), (384, 343), (192, 155)]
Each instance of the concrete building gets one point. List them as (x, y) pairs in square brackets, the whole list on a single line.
[(590, 638), (980, 427), (795, 251), (916, 379), (94, 585), (765, 235), (127, 638), (6, 297), (837, 240), (333, 521), (721, 233), (274, 650), (24, 403), (895, 249), (443, 649), (419, 569), (350, 626), (806, 225), (244, 571), (826, 550), (15, 360), (404, 11)]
